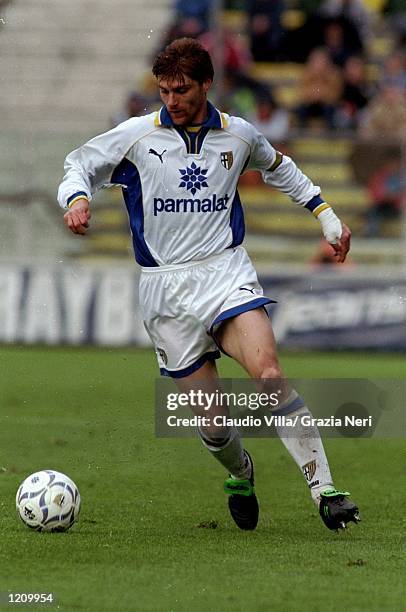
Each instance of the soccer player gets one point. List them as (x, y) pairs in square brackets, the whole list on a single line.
[(199, 293)]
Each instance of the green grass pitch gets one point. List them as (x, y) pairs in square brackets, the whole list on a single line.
[(145, 540)]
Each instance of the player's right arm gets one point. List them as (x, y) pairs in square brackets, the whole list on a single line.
[(90, 168), (77, 217)]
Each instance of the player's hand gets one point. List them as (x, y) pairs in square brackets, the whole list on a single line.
[(77, 217), (342, 246), (336, 233)]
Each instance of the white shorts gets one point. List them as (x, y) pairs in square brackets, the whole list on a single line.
[(183, 305)]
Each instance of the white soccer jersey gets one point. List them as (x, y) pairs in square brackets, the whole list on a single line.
[(180, 186)]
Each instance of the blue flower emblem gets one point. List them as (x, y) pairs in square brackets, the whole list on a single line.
[(193, 178)]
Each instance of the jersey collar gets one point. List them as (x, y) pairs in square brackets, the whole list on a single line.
[(215, 119)]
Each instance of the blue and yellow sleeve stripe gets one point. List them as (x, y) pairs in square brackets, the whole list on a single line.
[(316, 205), (79, 195)]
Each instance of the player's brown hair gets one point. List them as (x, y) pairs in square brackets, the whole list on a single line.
[(184, 56)]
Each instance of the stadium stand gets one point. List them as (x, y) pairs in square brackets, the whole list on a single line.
[(66, 68)]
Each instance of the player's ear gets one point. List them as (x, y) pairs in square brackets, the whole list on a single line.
[(206, 85)]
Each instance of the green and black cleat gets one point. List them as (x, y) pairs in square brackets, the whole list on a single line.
[(243, 503), (336, 510)]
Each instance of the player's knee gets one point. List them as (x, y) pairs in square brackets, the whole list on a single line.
[(270, 371)]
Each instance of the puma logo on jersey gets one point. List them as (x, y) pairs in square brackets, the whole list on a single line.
[(153, 152), (246, 289)]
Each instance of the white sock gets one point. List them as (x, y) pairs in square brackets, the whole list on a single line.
[(229, 451), (305, 446)]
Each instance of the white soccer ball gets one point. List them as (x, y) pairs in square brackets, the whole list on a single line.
[(48, 501)]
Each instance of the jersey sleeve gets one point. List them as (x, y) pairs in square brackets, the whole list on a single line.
[(90, 167), (281, 172)]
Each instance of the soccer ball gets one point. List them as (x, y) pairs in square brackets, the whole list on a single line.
[(48, 501)]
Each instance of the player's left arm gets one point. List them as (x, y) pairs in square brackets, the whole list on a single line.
[(281, 172)]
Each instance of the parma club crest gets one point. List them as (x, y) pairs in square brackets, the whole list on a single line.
[(309, 470), (227, 158)]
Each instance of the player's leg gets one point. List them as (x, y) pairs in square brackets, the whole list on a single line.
[(225, 444), (249, 339)]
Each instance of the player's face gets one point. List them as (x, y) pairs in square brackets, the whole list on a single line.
[(185, 100)]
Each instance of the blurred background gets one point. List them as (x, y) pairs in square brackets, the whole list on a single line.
[(325, 81)]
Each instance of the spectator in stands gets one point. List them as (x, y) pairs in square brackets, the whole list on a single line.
[(188, 27), (238, 90), (266, 32), (354, 12), (385, 192), (321, 89), (135, 105), (236, 55), (300, 41), (326, 25), (195, 9), (394, 70), (341, 40), (385, 116), (271, 120), (356, 93)]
